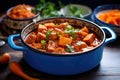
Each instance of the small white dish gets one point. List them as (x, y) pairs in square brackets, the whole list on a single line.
[(85, 10)]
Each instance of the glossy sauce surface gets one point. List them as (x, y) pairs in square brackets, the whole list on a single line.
[(62, 38)]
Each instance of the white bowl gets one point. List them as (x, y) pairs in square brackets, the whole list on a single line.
[(86, 11)]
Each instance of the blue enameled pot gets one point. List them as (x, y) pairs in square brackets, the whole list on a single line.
[(63, 64)]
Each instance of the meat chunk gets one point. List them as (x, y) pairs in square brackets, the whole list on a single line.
[(40, 36), (63, 41), (89, 38), (51, 46), (41, 28), (79, 46), (31, 38)]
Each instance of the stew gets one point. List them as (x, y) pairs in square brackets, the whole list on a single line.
[(62, 38)]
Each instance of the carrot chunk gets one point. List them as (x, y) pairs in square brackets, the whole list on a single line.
[(41, 27), (40, 36), (79, 45), (89, 38), (49, 25), (63, 25), (85, 29), (63, 41), (31, 38), (37, 45), (110, 16), (17, 69), (82, 34)]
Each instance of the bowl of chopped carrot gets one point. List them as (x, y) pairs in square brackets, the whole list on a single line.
[(19, 16), (108, 15)]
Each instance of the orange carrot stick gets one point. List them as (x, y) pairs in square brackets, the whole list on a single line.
[(4, 58), (16, 69)]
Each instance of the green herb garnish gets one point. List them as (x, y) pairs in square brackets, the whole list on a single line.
[(48, 33), (58, 34), (71, 31), (43, 42), (47, 9), (69, 48)]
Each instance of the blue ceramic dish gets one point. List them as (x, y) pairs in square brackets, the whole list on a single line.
[(63, 64), (101, 23)]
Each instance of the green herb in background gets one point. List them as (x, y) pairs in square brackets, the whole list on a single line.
[(75, 11), (48, 9)]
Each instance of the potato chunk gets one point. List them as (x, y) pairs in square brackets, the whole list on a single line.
[(31, 38), (41, 28), (79, 45), (40, 36), (37, 45), (63, 41), (89, 38), (85, 29), (49, 25)]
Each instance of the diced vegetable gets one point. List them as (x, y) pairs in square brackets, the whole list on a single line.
[(31, 38), (40, 36), (41, 28), (79, 45), (63, 25), (21, 11), (110, 16), (59, 50), (37, 45), (53, 36), (49, 25), (59, 31), (89, 38), (82, 34), (51, 46), (85, 29), (63, 41)]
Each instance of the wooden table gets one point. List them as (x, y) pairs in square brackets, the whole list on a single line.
[(108, 69)]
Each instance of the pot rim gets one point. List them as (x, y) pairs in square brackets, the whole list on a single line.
[(25, 19), (70, 54)]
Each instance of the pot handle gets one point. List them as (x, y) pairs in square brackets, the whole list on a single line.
[(112, 33), (12, 44)]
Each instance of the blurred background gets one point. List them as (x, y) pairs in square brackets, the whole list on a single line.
[(5, 4)]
